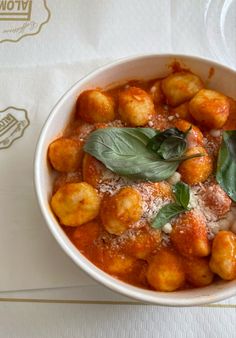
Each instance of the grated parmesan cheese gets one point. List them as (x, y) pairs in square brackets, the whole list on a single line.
[(150, 124), (214, 223), (153, 90), (113, 185), (175, 178), (215, 133), (152, 203), (167, 228)]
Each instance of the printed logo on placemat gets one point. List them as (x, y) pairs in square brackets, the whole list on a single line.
[(20, 18), (13, 122)]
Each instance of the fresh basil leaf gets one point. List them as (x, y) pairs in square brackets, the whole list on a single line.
[(113, 143), (124, 151), (182, 194), (173, 132), (168, 144), (226, 164), (172, 147), (182, 197), (155, 172), (166, 214), (155, 142), (185, 158)]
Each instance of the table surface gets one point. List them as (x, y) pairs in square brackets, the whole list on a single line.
[(76, 31)]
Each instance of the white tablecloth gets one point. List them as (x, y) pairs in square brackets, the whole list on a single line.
[(66, 40)]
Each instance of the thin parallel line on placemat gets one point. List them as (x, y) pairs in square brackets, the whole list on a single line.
[(56, 301), (88, 302), (220, 305)]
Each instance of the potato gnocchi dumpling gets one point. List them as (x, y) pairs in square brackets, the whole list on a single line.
[(189, 235), (153, 190), (223, 258), (140, 243), (95, 106), (76, 203), (198, 272), (181, 87), (163, 189), (216, 199), (120, 211), (210, 108), (182, 112), (198, 169), (65, 154), (136, 107), (117, 263), (194, 137), (166, 271), (231, 121), (156, 93)]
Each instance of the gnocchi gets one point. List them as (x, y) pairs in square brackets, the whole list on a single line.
[(223, 258), (156, 93), (95, 106), (210, 108), (65, 154), (136, 107), (76, 203), (165, 271), (117, 263), (121, 210), (198, 169), (180, 87), (189, 235), (216, 199), (140, 243), (182, 112), (194, 137), (198, 272)]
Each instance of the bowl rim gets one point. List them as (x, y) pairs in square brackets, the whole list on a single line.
[(133, 292)]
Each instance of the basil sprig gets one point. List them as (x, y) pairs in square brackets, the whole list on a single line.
[(226, 164), (139, 153), (169, 144), (182, 197)]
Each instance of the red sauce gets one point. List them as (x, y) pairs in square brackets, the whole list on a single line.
[(211, 72)]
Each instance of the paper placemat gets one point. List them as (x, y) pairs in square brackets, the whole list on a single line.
[(29, 255), (81, 35), (87, 294), (74, 31)]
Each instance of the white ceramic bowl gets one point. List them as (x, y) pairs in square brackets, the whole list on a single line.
[(140, 67)]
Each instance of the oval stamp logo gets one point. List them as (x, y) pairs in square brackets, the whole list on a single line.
[(13, 122), (20, 18)]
